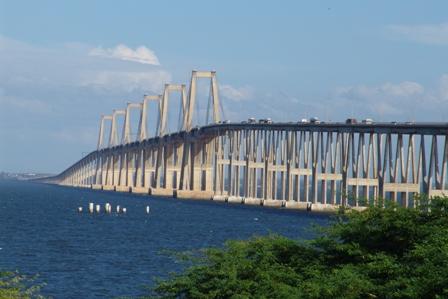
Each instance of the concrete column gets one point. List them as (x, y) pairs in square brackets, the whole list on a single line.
[(168, 164), (196, 165), (130, 168), (208, 164)]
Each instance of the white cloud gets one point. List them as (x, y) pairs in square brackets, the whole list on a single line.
[(51, 96), (405, 100), (122, 81), (236, 94), (387, 99), (426, 33), (122, 52), (27, 105), (403, 89), (85, 135)]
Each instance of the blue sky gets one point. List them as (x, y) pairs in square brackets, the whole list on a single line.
[(64, 63)]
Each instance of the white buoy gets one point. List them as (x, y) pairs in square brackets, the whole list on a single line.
[(147, 209), (118, 209), (91, 207), (108, 208), (98, 208), (79, 209), (124, 210)]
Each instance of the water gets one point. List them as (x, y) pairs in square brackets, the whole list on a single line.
[(103, 256)]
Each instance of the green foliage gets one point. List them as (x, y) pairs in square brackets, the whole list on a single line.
[(382, 252), (16, 286)]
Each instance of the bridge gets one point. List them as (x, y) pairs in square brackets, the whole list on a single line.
[(296, 165)]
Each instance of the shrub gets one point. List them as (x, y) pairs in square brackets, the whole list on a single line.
[(382, 252)]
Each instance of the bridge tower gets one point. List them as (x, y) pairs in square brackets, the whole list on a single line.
[(104, 118), (192, 96), (143, 127), (127, 133), (164, 107), (113, 137)]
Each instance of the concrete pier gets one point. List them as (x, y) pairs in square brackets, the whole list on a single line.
[(162, 192), (97, 187), (252, 201), (140, 190), (108, 188), (123, 189), (273, 203), (235, 199), (324, 208), (189, 194), (294, 205)]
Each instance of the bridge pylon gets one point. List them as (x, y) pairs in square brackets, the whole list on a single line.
[(192, 96), (143, 129), (104, 118), (164, 107), (113, 137), (127, 132)]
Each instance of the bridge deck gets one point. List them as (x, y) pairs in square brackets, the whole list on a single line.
[(326, 163)]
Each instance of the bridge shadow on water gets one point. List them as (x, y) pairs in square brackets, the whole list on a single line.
[(106, 255)]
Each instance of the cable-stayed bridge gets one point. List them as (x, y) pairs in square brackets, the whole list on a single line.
[(298, 165)]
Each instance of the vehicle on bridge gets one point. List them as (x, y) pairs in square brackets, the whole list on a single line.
[(314, 120)]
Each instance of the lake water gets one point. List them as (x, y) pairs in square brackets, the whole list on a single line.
[(108, 255)]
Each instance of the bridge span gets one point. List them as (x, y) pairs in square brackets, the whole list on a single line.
[(310, 166)]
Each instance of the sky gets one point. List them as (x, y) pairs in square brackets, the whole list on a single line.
[(65, 63)]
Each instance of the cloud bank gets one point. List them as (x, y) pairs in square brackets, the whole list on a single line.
[(236, 94), (123, 81), (395, 101), (427, 33), (51, 97), (141, 54)]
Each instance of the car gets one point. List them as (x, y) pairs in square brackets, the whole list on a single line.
[(394, 122), (304, 121), (410, 123), (351, 121), (314, 120), (367, 121), (251, 120), (226, 121), (265, 121)]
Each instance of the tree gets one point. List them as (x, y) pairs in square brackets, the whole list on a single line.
[(16, 286), (382, 252)]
